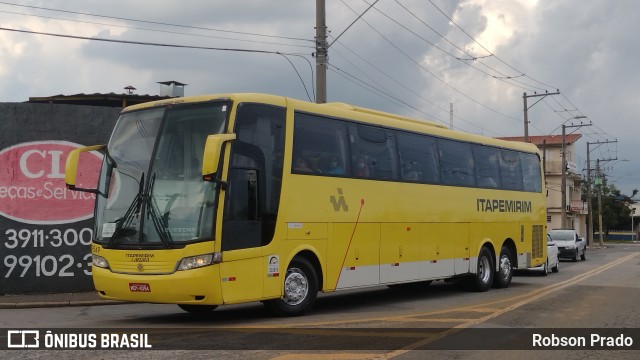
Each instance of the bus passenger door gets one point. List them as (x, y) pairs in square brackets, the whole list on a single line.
[(242, 267)]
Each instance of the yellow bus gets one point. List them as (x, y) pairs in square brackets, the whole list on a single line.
[(233, 198)]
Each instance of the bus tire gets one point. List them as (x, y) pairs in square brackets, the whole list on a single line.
[(545, 269), (197, 309), (300, 289), (505, 269), (483, 278)]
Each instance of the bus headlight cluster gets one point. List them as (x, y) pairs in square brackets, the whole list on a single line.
[(197, 261), (99, 261)]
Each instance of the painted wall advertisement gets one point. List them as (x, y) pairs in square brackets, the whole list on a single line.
[(45, 229)]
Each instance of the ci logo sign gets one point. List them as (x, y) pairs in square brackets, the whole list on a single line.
[(32, 188)]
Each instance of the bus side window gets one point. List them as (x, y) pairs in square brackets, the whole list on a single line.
[(531, 172), (487, 166), (456, 161), (510, 171), (418, 155), (376, 146), (319, 146)]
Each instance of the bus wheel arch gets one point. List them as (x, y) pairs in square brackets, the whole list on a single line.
[(301, 285), (504, 265)]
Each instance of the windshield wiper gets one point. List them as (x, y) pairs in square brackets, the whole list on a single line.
[(159, 223), (134, 208), (143, 202)]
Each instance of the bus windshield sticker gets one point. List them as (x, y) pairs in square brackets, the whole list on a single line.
[(108, 229)]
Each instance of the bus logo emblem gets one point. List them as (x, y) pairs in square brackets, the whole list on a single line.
[(339, 203)]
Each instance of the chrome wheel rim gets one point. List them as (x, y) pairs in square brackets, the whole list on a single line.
[(505, 267), (296, 287), (484, 269)]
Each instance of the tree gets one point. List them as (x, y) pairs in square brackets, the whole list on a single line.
[(616, 210)]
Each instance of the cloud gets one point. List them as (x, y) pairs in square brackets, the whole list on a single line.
[(391, 59)]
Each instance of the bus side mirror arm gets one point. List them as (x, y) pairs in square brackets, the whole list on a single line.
[(71, 168), (211, 158), (221, 183)]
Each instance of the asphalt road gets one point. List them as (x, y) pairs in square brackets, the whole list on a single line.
[(598, 297)]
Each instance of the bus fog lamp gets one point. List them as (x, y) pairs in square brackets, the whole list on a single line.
[(195, 262), (99, 261)]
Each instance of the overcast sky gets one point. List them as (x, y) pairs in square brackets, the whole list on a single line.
[(413, 57)]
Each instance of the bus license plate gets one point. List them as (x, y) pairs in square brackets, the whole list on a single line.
[(139, 287)]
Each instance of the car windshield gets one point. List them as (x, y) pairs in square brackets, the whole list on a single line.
[(151, 186), (562, 235)]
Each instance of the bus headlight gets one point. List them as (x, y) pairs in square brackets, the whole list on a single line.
[(99, 261), (197, 261)]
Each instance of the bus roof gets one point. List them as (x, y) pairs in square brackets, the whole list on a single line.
[(347, 111)]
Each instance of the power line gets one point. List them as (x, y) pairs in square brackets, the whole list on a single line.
[(155, 22), (153, 30), (485, 49), (428, 71), (167, 45)]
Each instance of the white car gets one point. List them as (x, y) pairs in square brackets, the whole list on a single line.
[(552, 258), (570, 245)]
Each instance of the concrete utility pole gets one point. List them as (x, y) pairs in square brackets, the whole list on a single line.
[(601, 235), (600, 231), (322, 48), (563, 189), (589, 193), (526, 110), (321, 52)]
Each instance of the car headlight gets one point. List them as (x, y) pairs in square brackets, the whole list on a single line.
[(99, 261), (194, 262)]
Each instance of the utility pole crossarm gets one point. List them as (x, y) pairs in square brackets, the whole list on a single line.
[(526, 110)]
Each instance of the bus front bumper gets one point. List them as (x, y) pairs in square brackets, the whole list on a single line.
[(196, 286)]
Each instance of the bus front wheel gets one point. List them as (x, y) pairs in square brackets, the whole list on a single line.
[(300, 289), (483, 278)]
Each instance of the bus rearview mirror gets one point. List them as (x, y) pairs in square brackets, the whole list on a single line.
[(212, 153), (71, 168)]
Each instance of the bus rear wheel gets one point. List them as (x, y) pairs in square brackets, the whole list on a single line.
[(505, 269), (300, 290), (197, 309), (483, 278)]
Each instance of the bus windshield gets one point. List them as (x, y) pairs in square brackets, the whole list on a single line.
[(151, 188)]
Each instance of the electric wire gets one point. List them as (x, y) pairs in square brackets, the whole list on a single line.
[(156, 22), (155, 30)]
